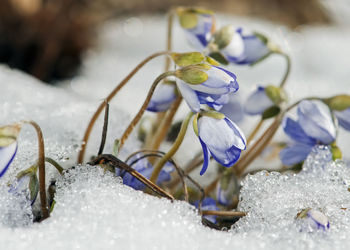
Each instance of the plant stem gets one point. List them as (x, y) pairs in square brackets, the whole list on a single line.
[(255, 131), (108, 99), (286, 74), (55, 164), (41, 166), (169, 37), (104, 129), (158, 167), (224, 213), (165, 124), (138, 116)]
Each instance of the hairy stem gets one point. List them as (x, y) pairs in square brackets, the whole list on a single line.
[(287, 72), (109, 98), (41, 166), (158, 167), (138, 116)]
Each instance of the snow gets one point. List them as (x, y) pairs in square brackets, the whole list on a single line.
[(95, 211)]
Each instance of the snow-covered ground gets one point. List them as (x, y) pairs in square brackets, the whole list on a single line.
[(95, 211)]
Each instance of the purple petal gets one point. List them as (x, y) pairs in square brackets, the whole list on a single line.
[(233, 108), (7, 154), (205, 157), (343, 118), (189, 95), (294, 154), (200, 35), (295, 132), (257, 102), (162, 98), (316, 121)]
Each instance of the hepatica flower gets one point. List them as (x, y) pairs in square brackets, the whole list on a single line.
[(257, 102), (198, 24), (343, 118), (208, 204), (27, 185), (314, 126), (219, 137), (211, 87), (144, 167), (8, 146), (163, 97), (316, 220)]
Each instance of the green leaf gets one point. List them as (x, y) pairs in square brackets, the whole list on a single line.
[(219, 57), (271, 112), (33, 186), (339, 102), (186, 59)]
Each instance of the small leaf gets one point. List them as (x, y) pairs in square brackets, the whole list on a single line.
[(187, 19), (224, 36), (186, 59), (219, 57), (116, 147), (212, 61), (271, 112), (339, 102), (33, 187)]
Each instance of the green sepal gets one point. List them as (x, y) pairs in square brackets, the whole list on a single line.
[(336, 152), (212, 61), (303, 213), (223, 37), (262, 37), (271, 112), (276, 94), (195, 123), (9, 134), (219, 57), (188, 20), (29, 171), (33, 186), (186, 59), (213, 114), (339, 102), (193, 74)]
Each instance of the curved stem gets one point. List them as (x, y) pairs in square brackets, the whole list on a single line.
[(165, 124), (59, 168), (255, 131), (104, 129), (138, 116), (169, 37), (41, 166), (158, 167), (108, 99), (289, 64)]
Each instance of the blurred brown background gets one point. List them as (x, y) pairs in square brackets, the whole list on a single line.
[(47, 38)]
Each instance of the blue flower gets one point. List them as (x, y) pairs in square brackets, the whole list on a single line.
[(226, 189), (163, 97), (257, 102), (213, 92), (314, 126), (343, 118), (220, 138), (144, 167), (208, 204), (317, 220), (8, 146), (200, 28)]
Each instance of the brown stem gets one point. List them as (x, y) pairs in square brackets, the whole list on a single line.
[(115, 162), (41, 166), (169, 37), (108, 99), (255, 131), (165, 124), (104, 129), (138, 116), (224, 213)]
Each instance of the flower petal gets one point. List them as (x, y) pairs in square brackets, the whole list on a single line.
[(343, 118), (205, 157), (257, 102), (7, 154), (200, 35), (233, 109), (235, 49), (294, 154), (295, 132), (189, 95), (162, 98), (316, 121)]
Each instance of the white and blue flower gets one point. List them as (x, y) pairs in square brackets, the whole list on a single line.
[(257, 102), (314, 126), (212, 92), (220, 138), (8, 146), (343, 118), (144, 167), (163, 97)]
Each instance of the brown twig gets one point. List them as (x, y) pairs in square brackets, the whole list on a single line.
[(224, 213), (104, 130)]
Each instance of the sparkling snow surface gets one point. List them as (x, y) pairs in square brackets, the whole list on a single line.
[(95, 211)]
